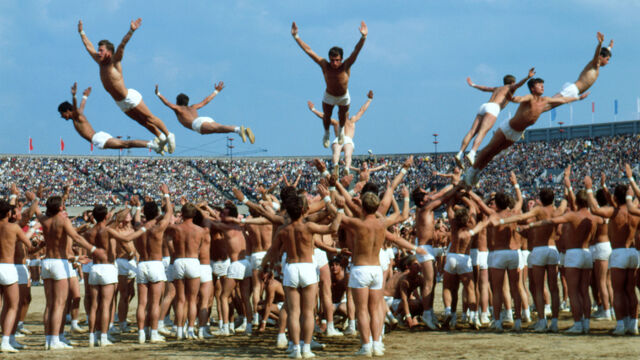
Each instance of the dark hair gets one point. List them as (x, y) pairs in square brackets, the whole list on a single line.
[(107, 44), (294, 206), (53, 205), (620, 193), (502, 200), (100, 212), (286, 192), (64, 107), (369, 187), (198, 218), (150, 210), (531, 83), (509, 79), (601, 198), (335, 51), (418, 197), (461, 217), (231, 208), (546, 196), (581, 199), (188, 211), (370, 202), (5, 208), (182, 100), (605, 52)]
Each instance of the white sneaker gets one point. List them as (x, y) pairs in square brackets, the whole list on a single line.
[(377, 350), (16, 344), (7, 348), (295, 354), (364, 352), (471, 158), (350, 331), (575, 329), (78, 330), (282, 343), (222, 332), (105, 343), (255, 322), (241, 328), (484, 319), (157, 339), (564, 307), (308, 355), (18, 334), (316, 345), (60, 346), (23, 330), (458, 159), (632, 331), (517, 326), (496, 327), (142, 338), (333, 332), (190, 335), (171, 138), (204, 334), (325, 139)]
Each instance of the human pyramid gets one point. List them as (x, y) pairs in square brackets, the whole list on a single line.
[(273, 265)]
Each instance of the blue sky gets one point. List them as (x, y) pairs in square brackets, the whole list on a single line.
[(416, 58)]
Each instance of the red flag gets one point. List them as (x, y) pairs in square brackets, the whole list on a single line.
[(593, 106), (91, 147), (30, 144), (61, 145)]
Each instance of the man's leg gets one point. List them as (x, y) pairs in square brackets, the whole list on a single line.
[(600, 268), (257, 287), (485, 125), (361, 300), (573, 283), (348, 155), (10, 298), (327, 110), (227, 288), (181, 301), (427, 293), (633, 301), (105, 300), (192, 286), (141, 311), (308, 303), (215, 128), (325, 298), (497, 280), (115, 143), (498, 143), (143, 115), (585, 281), (206, 289), (155, 293), (467, 138), (293, 310), (343, 114), (335, 154), (123, 302), (245, 294), (74, 304), (87, 293)]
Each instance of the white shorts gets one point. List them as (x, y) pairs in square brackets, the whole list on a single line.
[(256, 259), (366, 277), (343, 100), (601, 251), (151, 272), (8, 274), (491, 108), (196, 125), (300, 275), (424, 258), (524, 257), (72, 270), (86, 268), (384, 260), (205, 273), (23, 274), (347, 140), (127, 267), (320, 258), (220, 268), (479, 258), (579, 258), (624, 258), (186, 268), (438, 251), (458, 264), (103, 274), (570, 90), (166, 261), (509, 133), (504, 259), (239, 270), (100, 139), (544, 255), (56, 269), (132, 100), (34, 262)]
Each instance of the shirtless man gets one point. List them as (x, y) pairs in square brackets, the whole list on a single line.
[(100, 139), (128, 100), (57, 230), (400, 287), (188, 116), (530, 109), (623, 224), (10, 234), (259, 238), (577, 261), (488, 113), (219, 264), (336, 75), (206, 280), (589, 74), (349, 130)]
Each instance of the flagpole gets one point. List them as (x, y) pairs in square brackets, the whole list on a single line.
[(570, 115)]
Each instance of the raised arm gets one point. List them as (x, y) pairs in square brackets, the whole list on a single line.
[(481, 205), (164, 99), (87, 43), (306, 48), (385, 202), (606, 212), (71, 232), (166, 219), (400, 217), (479, 87), (596, 56), (633, 209), (352, 58), (364, 107), (632, 181), (83, 102), (517, 85), (117, 57), (514, 181), (326, 229), (275, 219), (319, 114), (217, 88)]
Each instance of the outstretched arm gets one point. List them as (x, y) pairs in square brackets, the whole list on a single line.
[(515, 86), (117, 57), (164, 99), (479, 87), (364, 107), (306, 48), (218, 87), (87, 43), (596, 56), (563, 100), (352, 58)]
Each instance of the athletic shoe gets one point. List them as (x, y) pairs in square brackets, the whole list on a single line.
[(333, 332), (157, 339), (350, 331), (364, 352), (472, 159), (632, 331), (377, 350), (252, 139), (7, 348), (142, 338), (16, 344), (517, 326), (619, 330), (316, 345), (222, 333), (564, 307), (484, 319), (171, 139), (325, 139), (60, 346), (458, 159), (281, 343), (23, 330), (105, 343), (295, 354), (575, 329), (308, 355), (78, 330), (540, 326), (242, 134)]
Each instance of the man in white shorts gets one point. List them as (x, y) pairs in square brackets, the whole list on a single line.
[(100, 139), (336, 74), (128, 100), (188, 116)]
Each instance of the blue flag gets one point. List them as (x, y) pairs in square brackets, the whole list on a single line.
[(615, 107), (553, 114)]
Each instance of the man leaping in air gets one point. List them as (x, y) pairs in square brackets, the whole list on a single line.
[(336, 75), (100, 139), (188, 116), (128, 100)]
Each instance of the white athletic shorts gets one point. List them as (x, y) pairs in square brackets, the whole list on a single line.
[(56, 269), (100, 139), (524, 258), (239, 270), (347, 140), (384, 260), (366, 276), (458, 264), (299, 275), (544, 255), (600, 251), (320, 258), (220, 268), (438, 251), (152, 271), (127, 267), (578, 258), (23, 274), (196, 125), (72, 270), (8, 274), (624, 258), (504, 259), (491, 108), (256, 259), (166, 261), (205, 273), (186, 268), (509, 133), (132, 100), (430, 254), (479, 258), (343, 100), (570, 90), (103, 274), (86, 268)]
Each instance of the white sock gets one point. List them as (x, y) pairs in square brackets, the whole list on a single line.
[(607, 313), (55, 340), (190, 329), (527, 313), (141, 333), (74, 323), (104, 337), (256, 316), (459, 154), (5, 340), (547, 307), (48, 339), (306, 348), (296, 348), (472, 153), (236, 130), (330, 325), (160, 324), (352, 324), (282, 336), (162, 137), (220, 324), (154, 333), (180, 332), (447, 310), (225, 327), (92, 338), (367, 346)]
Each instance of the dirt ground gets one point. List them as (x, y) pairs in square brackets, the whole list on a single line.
[(400, 343)]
